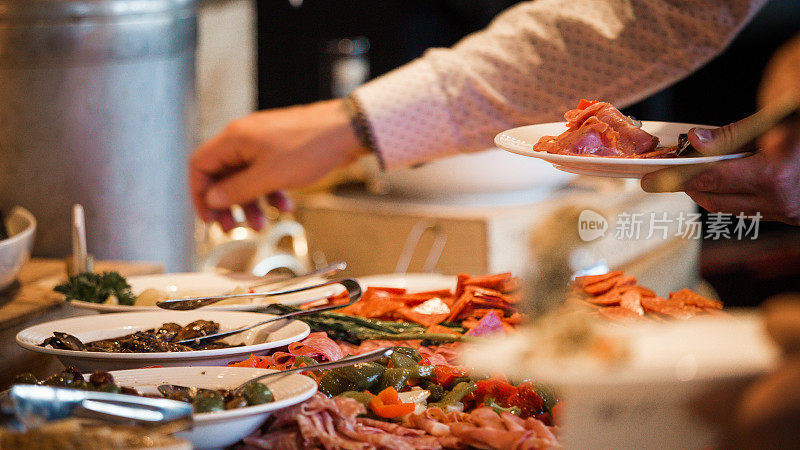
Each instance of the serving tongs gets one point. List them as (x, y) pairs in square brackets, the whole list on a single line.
[(32, 405), (353, 293), (188, 303), (747, 130)]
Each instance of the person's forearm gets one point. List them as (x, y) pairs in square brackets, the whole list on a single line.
[(534, 62)]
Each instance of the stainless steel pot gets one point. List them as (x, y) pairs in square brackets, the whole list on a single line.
[(97, 106)]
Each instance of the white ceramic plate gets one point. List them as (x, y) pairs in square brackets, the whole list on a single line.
[(191, 284), (223, 428), (92, 328), (521, 140), (411, 282), (644, 401)]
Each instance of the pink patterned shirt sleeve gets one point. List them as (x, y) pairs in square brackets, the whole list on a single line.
[(535, 61)]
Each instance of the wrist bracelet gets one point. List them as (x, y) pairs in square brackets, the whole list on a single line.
[(361, 127)]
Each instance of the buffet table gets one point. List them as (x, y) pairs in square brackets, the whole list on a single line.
[(31, 301)]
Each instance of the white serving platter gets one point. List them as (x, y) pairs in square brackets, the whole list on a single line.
[(193, 284), (91, 328)]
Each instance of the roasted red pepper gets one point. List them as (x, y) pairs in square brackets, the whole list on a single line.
[(387, 404), (446, 374), (527, 400)]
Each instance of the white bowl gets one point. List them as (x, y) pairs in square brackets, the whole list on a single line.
[(91, 328), (222, 428), (479, 176), (644, 402), (16, 249)]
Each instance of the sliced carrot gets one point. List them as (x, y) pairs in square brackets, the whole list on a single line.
[(591, 279), (460, 279), (632, 300), (690, 297), (489, 281), (459, 305), (510, 285), (610, 298)]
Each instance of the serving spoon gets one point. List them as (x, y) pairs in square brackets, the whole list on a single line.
[(353, 293), (168, 389), (189, 303)]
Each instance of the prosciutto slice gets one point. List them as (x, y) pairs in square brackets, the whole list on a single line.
[(333, 423), (599, 129)]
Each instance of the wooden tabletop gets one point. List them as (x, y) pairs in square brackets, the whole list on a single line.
[(32, 294)]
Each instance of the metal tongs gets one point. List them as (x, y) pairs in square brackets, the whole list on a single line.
[(32, 405), (747, 130), (353, 292)]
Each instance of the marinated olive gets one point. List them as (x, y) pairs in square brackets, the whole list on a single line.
[(236, 402), (408, 351), (402, 361), (25, 378), (334, 384), (181, 396), (128, 390), (257, 393), (59, 380), (361, 376), (76, 374), (108, 387), (98, 378), (298, 360), (208, 400), (81, 384), (395, 378), (437, 391), (361, 397)]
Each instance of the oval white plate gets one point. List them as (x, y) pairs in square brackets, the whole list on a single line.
[(222, 428), (92, 328), (411, 282), (521, 140), (192, 284)]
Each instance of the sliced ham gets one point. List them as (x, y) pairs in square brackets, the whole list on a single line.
[(599, 129)]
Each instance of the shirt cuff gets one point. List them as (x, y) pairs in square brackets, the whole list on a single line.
[(408, 116)]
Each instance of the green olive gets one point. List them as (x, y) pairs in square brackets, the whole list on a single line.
[(333, 383), (25, 378), (361, 376), (208, 400), (236, 402), (257, 393), (181, 396), (81, 384), (59, 380), (361, 397), (409, 352), (108, 387)]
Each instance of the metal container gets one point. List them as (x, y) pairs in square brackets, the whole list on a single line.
[(97, 106)]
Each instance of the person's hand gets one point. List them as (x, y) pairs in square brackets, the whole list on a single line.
[(265, 152), (767, 183), (751, 185)]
